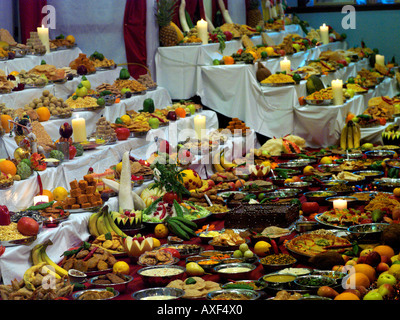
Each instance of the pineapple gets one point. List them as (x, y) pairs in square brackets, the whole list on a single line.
[(167, 33), (254, 15)]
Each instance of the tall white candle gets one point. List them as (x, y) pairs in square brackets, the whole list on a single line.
[(43, 34), (79, 129), (337, 91), (339, 204), (324, 31), (285, 65), (202, 30), (379, 59), (39, 199), (199, 125)]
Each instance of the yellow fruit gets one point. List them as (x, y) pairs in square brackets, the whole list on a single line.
[(126, 119), (70, 38), (261, 248), (308, 170), (121, 267), (43, 114), (193, 269), (160, 230), (396, 192), (156, 242), (384, 250), (270, 51), (47, 193), (357, 279), (118, 167), (60, 194), (366, 269), (8, 167), (394, 270), (365, 252), (326, 160), (346, 296)]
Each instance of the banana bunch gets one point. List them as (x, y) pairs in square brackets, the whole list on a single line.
[(102, 223), (182, 227), (220, 164), (30, 274), (350, 136)]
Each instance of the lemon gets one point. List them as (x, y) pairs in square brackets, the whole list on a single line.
[(326, 160), (118, 167), (121, 267), (261, 248), (156, 243), (126, 119), (60, 194), (70, 38), (308, 170)]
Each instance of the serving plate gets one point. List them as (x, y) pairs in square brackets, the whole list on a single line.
[(281, 84), (80, 210)]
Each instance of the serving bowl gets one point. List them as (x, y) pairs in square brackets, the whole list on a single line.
[(370, 174), (250, 294), (260, 284), (313, 282), (337, 275), (328, 167), (76, 276), (120, 287), (159, 276), (279, 279), (300, 185), (380, 154), (159, 293), (319, 196), (234, 271), (366, 233), (306, 226), (275, 265), (386, 184), (226, 248), (77, 295)]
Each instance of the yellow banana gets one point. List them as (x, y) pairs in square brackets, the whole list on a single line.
[(100, 225), (59, 270), (216, 162), (92, 224), (47, 270), (111, 224), (226, 165), (356, 135), (350, 144), (29, 274), (343, 137), (36, 254)]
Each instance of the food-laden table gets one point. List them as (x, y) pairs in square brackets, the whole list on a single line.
[(178, 68)]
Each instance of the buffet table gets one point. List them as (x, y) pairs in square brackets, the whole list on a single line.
[(178, 69)]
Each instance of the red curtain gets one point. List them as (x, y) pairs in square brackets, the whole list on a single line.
[(135, 36), (192, 7), (30, 13)]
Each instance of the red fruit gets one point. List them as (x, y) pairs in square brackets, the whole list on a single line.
[(122, 133), (28, 226), (373, 259), (386, 260), (72, 152), (164, 146), (175, 253), (5, 218), (169, 197), (66, 130), (310, 207)]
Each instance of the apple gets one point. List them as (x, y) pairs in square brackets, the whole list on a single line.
[(122, 133), (386, 289), (386, 260), (382, 267), (351, 92), (125, 90), (296, 47), (309, 207), (211, 183), (348, 60), (373, 259), (386, 278), (191, 108), (171, 115), (154, 123), (373, 295)]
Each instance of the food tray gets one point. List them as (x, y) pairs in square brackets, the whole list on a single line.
[(281, 84), (183, 44), (107, 68), (87, 108), (18, 242), (317, 102), (152, 88), (80, 210)]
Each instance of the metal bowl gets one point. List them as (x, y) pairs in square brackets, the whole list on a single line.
[(78, 294), (121, 287), (153, 293), (208, 267), (306, 226), (250, 294), (319, 196), (260, 283), (331, 183), (367, 233), (350, 200), (272, 283), (370, 174), (323, 281), (269, 267), (337, 275), (283, 193), (234, 275), (161, 280), (299, 164), (226, 248), (300, 185), (386, 184), (313, 297), (380, 154), (76, 276), (328, 167)]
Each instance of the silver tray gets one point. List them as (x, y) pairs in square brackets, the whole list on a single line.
[(81, 210), (315, 102), (18, 242), (113, 67), (282, 84), (152, 88), (187, 44), (87, 109)]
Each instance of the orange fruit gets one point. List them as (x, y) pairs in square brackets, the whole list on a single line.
[(7, 126), (366, 269), (288, 180), (346, 296), (396, 192), (384, 250), (43, 114), (356, 279), (8, 167), (239, 183), (228, 60), (47, 193), (180, 112), (160, 230), (296, 179)]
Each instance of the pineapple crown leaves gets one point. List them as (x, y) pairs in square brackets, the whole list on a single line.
[(254, 4), (165, 11)]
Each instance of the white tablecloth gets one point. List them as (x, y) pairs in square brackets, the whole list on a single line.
[(178, 67)]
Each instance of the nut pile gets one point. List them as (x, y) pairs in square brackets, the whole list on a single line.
[(56, 106)]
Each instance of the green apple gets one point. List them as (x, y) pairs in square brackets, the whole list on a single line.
[(355, 119), (191, 108), (243, 247), (237, 254), (348, 60), (350, 92), (154, 123), (373, 295), (386, 278), (386, 290), (248, 254), (296, 47)]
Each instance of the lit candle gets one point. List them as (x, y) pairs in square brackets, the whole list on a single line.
[(199, 125), (202, 30), (39, 199), (51, 223), (79, 129), (379, 59), (337, 91), (43, 34), (324, 31), (339, 204), (285, 65)]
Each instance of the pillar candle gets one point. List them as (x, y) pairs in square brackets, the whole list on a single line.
[(285, 65), (202, 30), (324, 31), (379, 59), (337, 91), (39, 199), (43, 34), (339, 204), (79, 129), (199, 125)]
